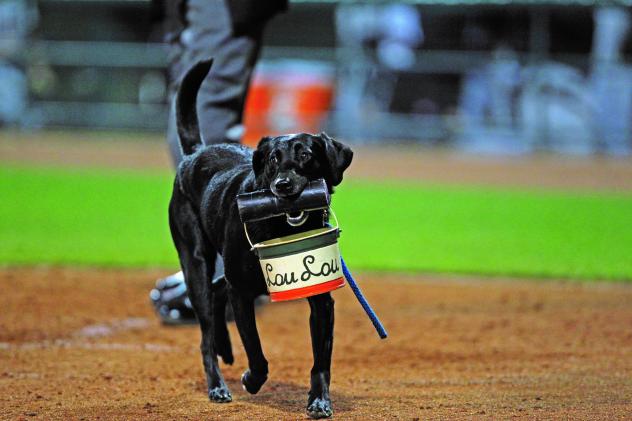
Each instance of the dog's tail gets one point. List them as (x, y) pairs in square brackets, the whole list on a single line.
[(186, 106)]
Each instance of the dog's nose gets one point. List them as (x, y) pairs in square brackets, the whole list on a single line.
[(283, 184)]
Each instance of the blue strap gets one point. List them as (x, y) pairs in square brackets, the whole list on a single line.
[(365, 305)]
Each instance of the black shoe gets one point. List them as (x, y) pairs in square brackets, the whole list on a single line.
[(171, 302)]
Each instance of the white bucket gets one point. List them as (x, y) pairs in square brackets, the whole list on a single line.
[(301, 265)]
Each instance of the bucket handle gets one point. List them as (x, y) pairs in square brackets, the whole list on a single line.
[(330, 210)]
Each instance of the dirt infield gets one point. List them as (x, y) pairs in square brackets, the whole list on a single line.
[(84, 344)]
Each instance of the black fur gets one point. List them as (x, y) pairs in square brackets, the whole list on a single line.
[(186, 115), (204, 220)]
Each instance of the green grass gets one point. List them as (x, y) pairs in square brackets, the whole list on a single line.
[(117, 218)]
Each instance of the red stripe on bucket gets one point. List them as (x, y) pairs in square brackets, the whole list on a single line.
[(295, 294)]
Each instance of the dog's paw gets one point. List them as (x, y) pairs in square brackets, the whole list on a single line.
[(228, 358), (320, 408), (253, 382), (220, 394)]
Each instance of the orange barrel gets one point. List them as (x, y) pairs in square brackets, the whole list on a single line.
[(288, 96)]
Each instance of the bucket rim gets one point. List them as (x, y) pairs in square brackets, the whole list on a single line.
[(289, 239)]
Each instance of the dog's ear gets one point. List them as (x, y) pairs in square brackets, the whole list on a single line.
[(260, 154), (337, 158)]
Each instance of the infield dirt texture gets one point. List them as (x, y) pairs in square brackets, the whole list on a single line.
[(84, 344)]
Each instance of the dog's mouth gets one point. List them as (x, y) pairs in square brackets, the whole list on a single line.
[(286, 195), (287, 189)]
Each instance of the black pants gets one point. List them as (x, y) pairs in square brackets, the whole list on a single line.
[(208, 32)]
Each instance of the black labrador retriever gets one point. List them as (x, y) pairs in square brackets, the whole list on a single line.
[(204, 220)]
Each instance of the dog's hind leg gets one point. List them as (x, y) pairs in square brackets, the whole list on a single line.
[(223, 346), (321, 323), (244, 311), (197, 259)]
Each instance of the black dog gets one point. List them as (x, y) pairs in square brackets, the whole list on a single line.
[(204, 220)]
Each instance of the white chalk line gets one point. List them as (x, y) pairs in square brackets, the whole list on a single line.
[(96, 346), (99, 330)]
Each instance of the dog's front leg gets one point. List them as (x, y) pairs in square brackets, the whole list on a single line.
[(321, 323), (257, 373)]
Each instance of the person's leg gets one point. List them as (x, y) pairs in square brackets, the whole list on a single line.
[(207, 32)]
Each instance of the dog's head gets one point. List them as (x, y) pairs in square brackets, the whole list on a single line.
[(286, 164)]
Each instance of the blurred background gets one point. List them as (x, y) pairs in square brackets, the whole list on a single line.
[(486, 76), (490, 137)]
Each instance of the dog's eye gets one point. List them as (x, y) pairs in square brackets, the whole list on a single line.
[(274, 159), (305, 156)]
